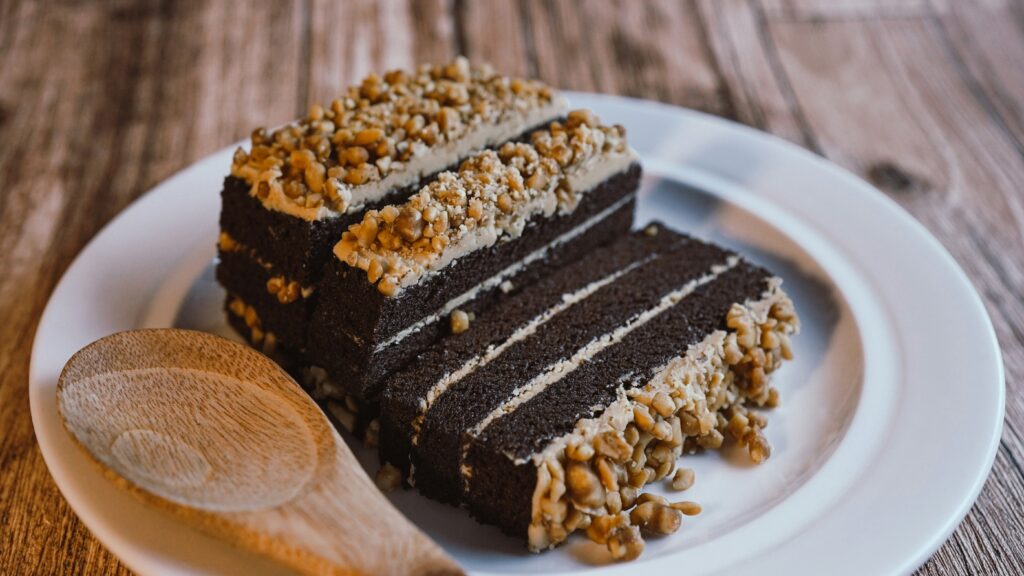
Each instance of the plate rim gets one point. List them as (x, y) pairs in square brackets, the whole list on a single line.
[(872, 195)]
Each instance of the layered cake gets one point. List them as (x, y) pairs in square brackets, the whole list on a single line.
[(290, 197), (447, 254), (563, 401), (408, 274)]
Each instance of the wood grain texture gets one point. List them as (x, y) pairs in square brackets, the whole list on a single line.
[(253, 461), (100, 101)]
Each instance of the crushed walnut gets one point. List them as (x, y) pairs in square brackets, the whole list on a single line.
[(388, 478), (683, 479), (460, 321), (590, 480), (493, 194), (286, 291), (265, 341), (377, 128)]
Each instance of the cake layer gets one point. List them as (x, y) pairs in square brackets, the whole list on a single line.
[(291, 196), (482, 417), (296, 247), (283, 305), (472, 285), (504, 219), (410, 392), (436, 454), (245, 320), (387, 134), (257, 245), (509, 441)]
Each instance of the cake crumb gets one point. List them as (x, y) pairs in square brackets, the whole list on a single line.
[(460, 321), (371, 439), (506, 287), (651, 230), (388, 477)]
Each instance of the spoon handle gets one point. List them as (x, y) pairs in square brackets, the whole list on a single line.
[(340, 524), (345, 522)]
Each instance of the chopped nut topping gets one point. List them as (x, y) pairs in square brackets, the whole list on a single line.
[(683, 480), (371, 439), (492, 194), (285, 291), (626, 544), (590, 480), (388, 477), (460, 321), (687, 507), (265, 341), (378, 127), (656, 518), (226, 243)]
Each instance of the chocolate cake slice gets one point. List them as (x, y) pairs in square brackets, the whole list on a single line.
[(292, 195), (408, 274), (561, 402)]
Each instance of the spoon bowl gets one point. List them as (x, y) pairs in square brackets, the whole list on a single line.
[(217, 434)]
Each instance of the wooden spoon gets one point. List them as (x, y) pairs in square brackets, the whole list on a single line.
[(217, 434)]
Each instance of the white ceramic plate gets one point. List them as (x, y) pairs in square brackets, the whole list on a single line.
[(890, 418)]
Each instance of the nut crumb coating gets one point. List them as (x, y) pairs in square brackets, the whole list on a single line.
[(492, 194)]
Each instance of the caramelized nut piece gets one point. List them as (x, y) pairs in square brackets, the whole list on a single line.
[(613, 446), (663, 404), (625, 543), (582, 116), (628, 495), (656, 518), (649, 497), (459, 321), (388, 477), (389, 213), (584, 486), (409, 224), (226, 243), (580, 452), (387, 287), (683, 479), (687, 507), (642, 418), (601, 527), (368, 136), (374, 272), (606, 471)]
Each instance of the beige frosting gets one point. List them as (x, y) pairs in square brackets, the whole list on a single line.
[(387, 134), (492, 196), (501, 279), (701, 382), (561, 369)]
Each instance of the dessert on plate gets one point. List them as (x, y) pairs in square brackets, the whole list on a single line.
[(444, 259), (467, 239), (293, 193), (565, 400)]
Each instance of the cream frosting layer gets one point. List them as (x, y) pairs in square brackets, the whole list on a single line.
[(492, 197), (701, 382), (505, 275), (522, 332), (563, 368), (426, 160)]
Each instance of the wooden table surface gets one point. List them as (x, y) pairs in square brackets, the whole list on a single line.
[(100, 101)]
